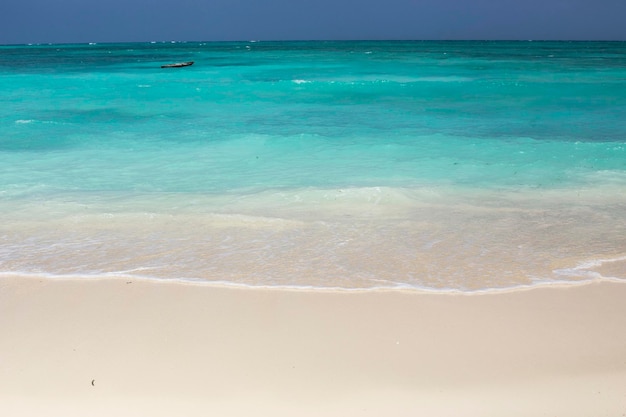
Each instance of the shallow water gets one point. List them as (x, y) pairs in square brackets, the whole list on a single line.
[(431, 165)]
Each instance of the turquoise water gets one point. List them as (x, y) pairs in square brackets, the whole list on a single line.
[(432, 165)]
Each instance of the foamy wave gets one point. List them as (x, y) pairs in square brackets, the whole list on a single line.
[(132, 275), (588, 269), (30, 121)]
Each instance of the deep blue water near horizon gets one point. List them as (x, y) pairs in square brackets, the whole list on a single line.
[(435, 165)]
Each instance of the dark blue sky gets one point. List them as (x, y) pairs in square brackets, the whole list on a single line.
[(60, 21)]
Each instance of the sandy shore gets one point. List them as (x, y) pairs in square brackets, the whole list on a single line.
[(138, 348)]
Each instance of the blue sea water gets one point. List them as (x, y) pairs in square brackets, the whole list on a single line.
[(430, 165)]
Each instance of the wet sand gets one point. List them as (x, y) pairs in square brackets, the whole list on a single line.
[(136, 348)]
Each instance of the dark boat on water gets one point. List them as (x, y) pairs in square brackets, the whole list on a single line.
[(178, 65)]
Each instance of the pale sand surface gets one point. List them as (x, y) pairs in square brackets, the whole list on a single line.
[(164, 349)]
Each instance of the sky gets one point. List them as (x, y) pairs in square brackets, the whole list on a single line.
[(77, 21)]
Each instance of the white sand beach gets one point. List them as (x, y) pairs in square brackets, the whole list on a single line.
[(144, 348)]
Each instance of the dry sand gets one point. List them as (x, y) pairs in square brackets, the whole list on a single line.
[(121, 348)]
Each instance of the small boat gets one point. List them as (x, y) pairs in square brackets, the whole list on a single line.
[(178, 65)]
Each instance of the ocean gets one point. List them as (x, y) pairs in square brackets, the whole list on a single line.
[(437, 166)]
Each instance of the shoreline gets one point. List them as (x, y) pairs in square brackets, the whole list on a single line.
[(109, 347), (423, 238), (597, 279)]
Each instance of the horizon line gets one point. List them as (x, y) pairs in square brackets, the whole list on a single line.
[(171, 41)]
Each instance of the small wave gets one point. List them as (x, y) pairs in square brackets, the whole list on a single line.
[(444, 79), (595, 269), (136, 274), (301, 81), (398, 79), (30, 121)]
